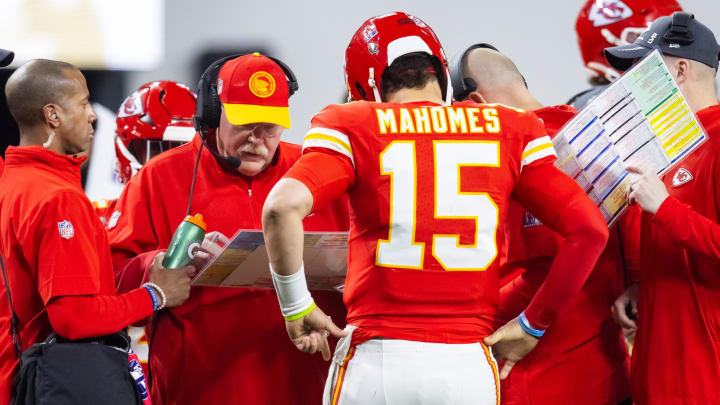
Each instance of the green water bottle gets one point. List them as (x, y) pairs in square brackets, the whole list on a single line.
[(186, 242)]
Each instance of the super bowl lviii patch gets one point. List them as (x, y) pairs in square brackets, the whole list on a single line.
[(66, 230)]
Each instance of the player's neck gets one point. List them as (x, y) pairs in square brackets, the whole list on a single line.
[(431, 92), (700, 97)]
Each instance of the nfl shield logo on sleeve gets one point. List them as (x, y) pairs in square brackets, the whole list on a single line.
[(66, 229)]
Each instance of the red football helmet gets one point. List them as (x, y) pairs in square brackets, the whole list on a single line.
[(605, 23), (378, 42), (156, 117)]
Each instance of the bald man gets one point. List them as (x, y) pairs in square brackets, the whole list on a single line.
[(583, 357), (56, 251)]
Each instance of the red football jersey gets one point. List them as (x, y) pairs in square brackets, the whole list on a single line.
[(583, 357), (676, 357), (430, 192)]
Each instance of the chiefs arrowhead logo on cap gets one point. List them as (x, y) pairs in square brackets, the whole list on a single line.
[(606, 12), (262, 84), (681, 177)]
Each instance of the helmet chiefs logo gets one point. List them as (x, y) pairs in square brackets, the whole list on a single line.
[(605, 12), (132, 105), (262, 84), (681, 177)]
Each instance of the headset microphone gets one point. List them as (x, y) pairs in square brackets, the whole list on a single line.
[(208, 110), (230, 160)]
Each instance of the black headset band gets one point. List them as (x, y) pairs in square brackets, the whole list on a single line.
[(463, 85), (210, 74), (680, 28), (207, 111)]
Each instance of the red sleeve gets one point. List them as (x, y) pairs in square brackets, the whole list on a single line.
[(629, 228), (517, 294), (689, 228), (69, 261), (133, 241), (326, 174), (81, 317), (130, 273), (558, 202)]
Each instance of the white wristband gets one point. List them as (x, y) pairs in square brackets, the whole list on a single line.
[(293, 294)]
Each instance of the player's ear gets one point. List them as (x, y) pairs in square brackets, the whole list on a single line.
[(476, 97)]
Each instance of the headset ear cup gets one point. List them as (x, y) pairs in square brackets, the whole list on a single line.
[(212, 117), (198, 119)]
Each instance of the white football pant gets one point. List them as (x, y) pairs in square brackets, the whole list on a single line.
[(402, 372)]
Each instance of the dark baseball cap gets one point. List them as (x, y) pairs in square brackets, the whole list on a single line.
[(679, 35), (6, 57)]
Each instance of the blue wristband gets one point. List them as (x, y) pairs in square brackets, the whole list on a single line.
[(152, 296), (525, 325)]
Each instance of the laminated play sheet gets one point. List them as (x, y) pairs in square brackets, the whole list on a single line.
[(640, 120), (244, 262)]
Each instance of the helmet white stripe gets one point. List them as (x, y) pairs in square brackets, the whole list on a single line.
[(405, 45)]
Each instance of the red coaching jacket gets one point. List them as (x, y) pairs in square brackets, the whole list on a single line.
[(54, 247), (676, 357), (583, 357), (224, 345)]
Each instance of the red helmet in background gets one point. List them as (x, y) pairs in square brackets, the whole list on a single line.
[(156, 117), (378, 42), (605, 23)]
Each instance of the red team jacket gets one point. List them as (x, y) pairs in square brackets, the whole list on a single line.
[(676, 357), (224, 345), (582, 359), (53, 246), (429, 187)]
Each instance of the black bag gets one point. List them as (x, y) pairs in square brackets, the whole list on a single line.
[(73, 372)]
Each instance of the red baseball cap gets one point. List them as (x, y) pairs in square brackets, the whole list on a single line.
[(253, 88)]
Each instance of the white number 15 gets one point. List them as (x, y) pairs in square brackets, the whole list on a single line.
[(399, 161)]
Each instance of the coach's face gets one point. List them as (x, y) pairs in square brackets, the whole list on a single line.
[(254, 144), (75, 116)]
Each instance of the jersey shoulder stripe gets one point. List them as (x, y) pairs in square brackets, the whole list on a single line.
[(537, 149), (327, 138)]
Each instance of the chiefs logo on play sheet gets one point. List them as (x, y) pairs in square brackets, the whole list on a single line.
[(605, 12), (681, 177), (66, 229)]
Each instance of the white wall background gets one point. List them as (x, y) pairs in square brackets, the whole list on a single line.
[(311, 37)]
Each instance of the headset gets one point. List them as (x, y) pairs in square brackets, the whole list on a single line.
[(679, 28), (462, 86), (207, 110)]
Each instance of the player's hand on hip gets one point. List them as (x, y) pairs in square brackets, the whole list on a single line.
[(626, 302), (310, 333), (212, 245), (511, 343), (175, 283), (646, 189)]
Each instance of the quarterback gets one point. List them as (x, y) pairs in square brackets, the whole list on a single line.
[(429, 186)]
